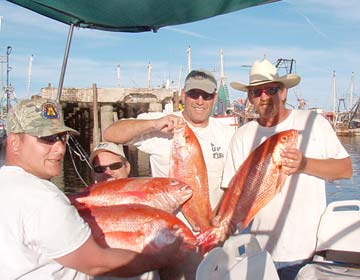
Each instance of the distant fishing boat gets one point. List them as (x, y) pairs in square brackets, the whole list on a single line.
[(348, 123)]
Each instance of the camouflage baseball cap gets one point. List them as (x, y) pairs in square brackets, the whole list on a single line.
[(37, 117)]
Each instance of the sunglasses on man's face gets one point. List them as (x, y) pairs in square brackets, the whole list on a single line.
[(259, 91), (113, 166), (196, 94), (52, 139)]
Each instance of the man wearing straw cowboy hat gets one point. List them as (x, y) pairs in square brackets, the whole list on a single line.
[(287, 225)]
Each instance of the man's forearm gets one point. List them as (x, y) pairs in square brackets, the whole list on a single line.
[(329, 169), (123, 131)]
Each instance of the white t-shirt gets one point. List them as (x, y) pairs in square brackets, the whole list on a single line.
[(287, 225), (38, 224), (214, 141)]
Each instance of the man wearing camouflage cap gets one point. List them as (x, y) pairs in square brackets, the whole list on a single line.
[(42, 234)]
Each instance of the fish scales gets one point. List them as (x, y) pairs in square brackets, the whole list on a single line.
[(257, 180), (255, 183), (163, 193), (187, 164), (137, 227)]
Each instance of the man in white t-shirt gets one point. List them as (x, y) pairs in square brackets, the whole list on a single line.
[(152, 133), (42, 235), (287, 225)]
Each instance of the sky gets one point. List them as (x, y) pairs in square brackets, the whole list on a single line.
[(322, 36)]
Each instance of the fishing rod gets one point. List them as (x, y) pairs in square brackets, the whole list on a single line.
[(80, 152)]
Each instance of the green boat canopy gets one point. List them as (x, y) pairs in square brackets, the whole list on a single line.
[(129, 15), (133, 15)]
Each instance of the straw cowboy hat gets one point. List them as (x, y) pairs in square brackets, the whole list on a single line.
[(263, 72)]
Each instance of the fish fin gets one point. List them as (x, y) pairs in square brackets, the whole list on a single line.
[(209, 239)]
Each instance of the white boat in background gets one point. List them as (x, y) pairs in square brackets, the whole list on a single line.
[(337, 252), (2, 139), (2, 128)]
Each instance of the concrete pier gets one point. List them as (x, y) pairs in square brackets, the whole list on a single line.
[(91, 110)]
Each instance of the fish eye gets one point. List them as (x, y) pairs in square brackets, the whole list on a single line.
[(284, 138)]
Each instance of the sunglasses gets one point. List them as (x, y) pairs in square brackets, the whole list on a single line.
[(52, 139), (269, 91), (196, 94), (113, 166)]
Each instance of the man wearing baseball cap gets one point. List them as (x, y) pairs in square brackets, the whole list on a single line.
[(42, 234), (287, 225), (109, 162), (152, 133)]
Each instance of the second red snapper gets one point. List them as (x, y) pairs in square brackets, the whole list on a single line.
[(256, 182), (137, 227), (163, 193), (187, 164)]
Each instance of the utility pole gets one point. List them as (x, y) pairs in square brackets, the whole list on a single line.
[(8, 69)]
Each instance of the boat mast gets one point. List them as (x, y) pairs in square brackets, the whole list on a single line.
[(189, 59), (29, 76), (118, 75), (149, 67), (222, 73), (334, 93), (179, 81), (351, 90), (8, 69)]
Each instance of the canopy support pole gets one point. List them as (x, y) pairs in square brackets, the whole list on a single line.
[(63, 68)]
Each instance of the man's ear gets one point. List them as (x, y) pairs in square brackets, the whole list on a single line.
[(183, 96), (216, 97), (250, 99), (13, 143), (283, 94), (128, 167)]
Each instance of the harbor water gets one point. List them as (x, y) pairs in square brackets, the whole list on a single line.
[(349, 188), (336, 190), (69, 180)]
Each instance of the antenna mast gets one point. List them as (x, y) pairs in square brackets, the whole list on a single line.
[(118, 75), (29, 76), (149, 67), (189, 59)]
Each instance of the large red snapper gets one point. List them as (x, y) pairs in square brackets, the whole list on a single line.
[(187, 164), (137, 227), (256, 182), (163, 193)]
